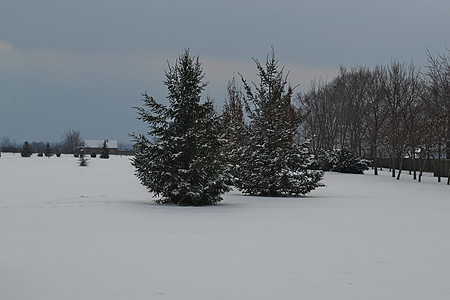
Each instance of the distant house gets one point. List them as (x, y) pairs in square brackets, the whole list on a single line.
[(95, 146)]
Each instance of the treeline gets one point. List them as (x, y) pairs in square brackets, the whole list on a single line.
[(70, 142), (392, 111), (35, 147)]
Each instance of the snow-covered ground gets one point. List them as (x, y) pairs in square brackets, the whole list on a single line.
[(70, 232)]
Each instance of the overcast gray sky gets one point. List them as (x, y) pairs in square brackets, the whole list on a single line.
[(83, 64)]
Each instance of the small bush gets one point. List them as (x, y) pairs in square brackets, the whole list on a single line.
[(346, 162), (93, 155), (26, 150), (58, 154), (83, 161), (40, 154), (48, 151), (340, 160), (105, 151)]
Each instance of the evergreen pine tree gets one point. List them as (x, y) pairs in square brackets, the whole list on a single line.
[(270, 163), (48, 151), (83, 161), (345, 162), (26, 150), (105, 150), (183, 164), (234, 127)]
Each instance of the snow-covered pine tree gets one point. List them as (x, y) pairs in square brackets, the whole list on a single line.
[(234, 126), (48, 151), (105, 150), (83, 161), (184, 163), (345, 162), (26, 150), (270, 163)]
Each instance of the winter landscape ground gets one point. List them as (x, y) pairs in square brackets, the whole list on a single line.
[(70, 232)]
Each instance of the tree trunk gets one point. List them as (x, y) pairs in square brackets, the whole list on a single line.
[(374, 156), (447, 162), (400, 166), (393, 165), (420, 169), (375, 165), (439, 163), (381, 167)]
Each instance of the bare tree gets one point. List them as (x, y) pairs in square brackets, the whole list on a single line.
[(71, 141), (389, 111), (322, 111), (413, 118), (401, 91), (439, 84), (352, 85), (374, 111), (8, 146)]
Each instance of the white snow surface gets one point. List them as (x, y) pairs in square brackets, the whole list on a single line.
[(70, 232)]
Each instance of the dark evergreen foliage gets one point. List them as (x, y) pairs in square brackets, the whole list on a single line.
[(234, 127), (105, 151), (324, 160), (26, 150), (184, 163), (48, 151), (270, 163), (346, 162), (83, 161), (341, 160)]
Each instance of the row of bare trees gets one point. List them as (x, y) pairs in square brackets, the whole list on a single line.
[(388, 111)]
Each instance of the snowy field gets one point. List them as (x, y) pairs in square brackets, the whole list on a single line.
[(70, 232)]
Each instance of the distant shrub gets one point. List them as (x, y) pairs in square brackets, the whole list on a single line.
[(76, 155), (340, 160), (40, 154), (48, 151), (58, 154), (346, 162), (105, 150), (93, 155), (26, 150), (324, 160), (83, 161)]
